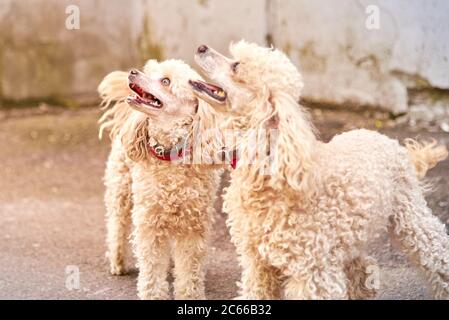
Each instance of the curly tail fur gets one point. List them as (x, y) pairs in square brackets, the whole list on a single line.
[(113, 91), (425, 155)]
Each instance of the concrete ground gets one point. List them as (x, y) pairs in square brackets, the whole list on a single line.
[(52, 213)]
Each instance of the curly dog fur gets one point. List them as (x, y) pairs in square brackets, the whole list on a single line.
[(170, 205), (302, 230)]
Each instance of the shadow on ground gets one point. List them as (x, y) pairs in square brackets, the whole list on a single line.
[(52, 214)]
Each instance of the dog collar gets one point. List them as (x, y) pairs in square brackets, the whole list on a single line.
[(168, 154), (234, 160), (232, 155), (178, 152)]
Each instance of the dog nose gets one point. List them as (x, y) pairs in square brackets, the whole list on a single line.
[(202, 48), (133, 72)]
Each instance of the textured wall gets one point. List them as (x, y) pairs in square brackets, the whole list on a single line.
[(343, 62), (41, 59), (179, 27)]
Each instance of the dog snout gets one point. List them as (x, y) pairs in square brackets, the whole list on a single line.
[(133, 73), (202, 49)]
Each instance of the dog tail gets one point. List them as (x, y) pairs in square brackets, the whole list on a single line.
[(113, 90), (425, 155)]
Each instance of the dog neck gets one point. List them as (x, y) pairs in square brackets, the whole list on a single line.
[(171, 134)]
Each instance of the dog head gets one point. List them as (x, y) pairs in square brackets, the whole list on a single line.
[(165, 103), (162, 91), (263, 87), (250, 72)]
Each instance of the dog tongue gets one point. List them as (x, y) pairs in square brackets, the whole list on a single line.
[(137, 89)]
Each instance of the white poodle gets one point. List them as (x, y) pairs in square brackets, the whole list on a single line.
[(301, 221), (150, 179)]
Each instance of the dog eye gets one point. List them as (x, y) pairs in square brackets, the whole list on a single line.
[(234, 66), (165, 81)]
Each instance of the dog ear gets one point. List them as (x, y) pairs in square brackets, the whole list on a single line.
[(114, 87), (113, 91), (205, 137), (292, 151), (134, 136)]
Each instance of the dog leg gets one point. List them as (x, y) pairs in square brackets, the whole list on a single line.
[(260, 281), (118, 211), (189, 253), (153, 260), (323, 283), (362, 282), (424, 238)]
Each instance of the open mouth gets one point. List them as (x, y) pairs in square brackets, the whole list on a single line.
[(144, 97), (213, 91)]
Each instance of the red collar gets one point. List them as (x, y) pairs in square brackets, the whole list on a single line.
[(176, 153), (234, 160), (171, 154), (232, 155)]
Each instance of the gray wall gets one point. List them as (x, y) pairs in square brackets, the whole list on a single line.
[(403, 64)]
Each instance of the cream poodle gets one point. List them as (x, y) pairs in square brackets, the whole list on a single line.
[(302, 212), (151, 181)]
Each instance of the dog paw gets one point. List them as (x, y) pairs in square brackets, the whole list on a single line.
[(196, 296), (153, 296), (117, 270)]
